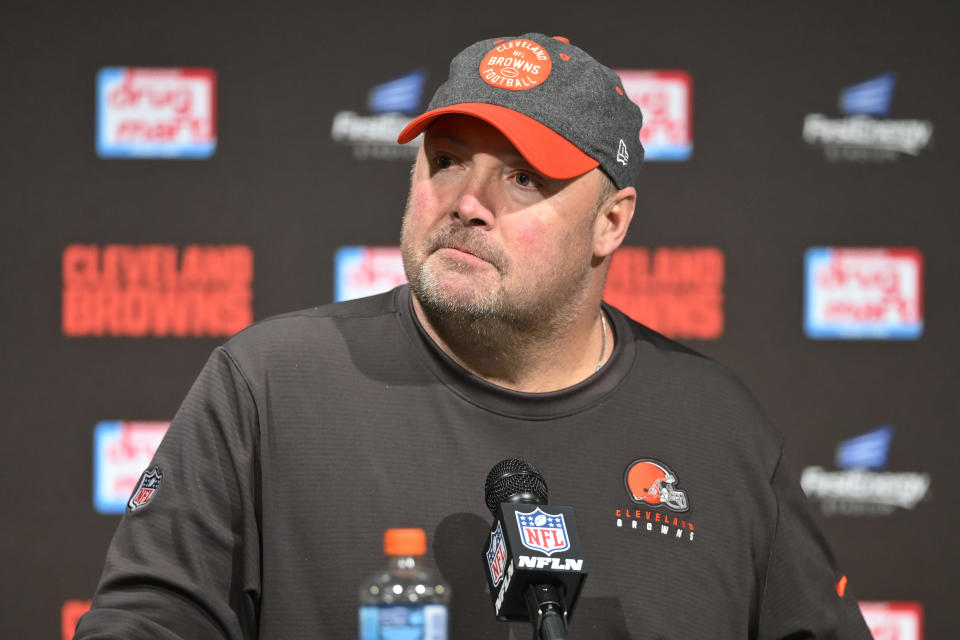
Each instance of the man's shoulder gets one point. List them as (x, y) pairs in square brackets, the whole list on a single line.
[(667, 352), (643, 333), (703, 385), (312, 327)]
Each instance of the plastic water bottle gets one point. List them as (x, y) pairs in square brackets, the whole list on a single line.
[(409, 600)]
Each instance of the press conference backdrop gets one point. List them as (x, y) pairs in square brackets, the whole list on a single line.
[(175, 171)]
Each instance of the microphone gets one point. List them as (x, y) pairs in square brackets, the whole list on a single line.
[(534, 561)]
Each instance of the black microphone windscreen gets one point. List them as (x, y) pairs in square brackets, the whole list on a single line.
[(514, 480)]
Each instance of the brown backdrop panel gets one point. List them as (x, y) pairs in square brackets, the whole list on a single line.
[(279, 184)]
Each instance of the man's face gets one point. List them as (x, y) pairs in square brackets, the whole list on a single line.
[(486, 236)]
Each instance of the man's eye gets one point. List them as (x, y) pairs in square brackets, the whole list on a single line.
[(443, 162), (525, 180)]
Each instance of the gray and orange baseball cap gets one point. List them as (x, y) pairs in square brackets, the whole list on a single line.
[(564, 111)]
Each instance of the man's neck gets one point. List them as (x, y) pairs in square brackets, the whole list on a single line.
[(533, 362)]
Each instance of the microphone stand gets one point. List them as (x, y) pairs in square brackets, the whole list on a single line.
[(547, 614)]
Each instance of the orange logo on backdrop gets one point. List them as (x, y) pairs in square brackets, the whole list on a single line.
[(154, 290), (70, 615), (676, 291), (516, 65)]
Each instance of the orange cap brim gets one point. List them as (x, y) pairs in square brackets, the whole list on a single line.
[(548, 152)]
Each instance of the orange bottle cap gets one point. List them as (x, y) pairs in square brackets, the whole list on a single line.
[(405, 542)]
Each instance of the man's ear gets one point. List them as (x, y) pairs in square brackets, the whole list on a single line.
[(612, 221)]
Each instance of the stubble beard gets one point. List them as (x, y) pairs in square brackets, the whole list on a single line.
[(503, 319)]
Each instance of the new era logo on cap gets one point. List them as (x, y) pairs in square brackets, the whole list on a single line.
[(622, 156)]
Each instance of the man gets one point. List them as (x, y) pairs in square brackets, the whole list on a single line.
[(308, 434)]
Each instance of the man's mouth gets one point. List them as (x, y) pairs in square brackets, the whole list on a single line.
[(461, 246), (463, 250), (465, 254)]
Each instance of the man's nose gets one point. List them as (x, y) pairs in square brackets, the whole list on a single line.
[(476, 203)]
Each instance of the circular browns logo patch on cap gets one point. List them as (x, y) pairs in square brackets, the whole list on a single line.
[(516, 65)]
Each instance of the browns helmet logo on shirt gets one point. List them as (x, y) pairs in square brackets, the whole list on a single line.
[(654, 485), (651, 482)]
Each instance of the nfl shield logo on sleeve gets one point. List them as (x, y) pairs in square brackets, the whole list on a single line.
[(146, 489)]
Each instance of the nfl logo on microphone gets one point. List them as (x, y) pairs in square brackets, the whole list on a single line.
[(544, 532), (496, 556)]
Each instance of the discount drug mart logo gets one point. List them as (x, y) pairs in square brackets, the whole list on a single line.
[(666, 100), (156, 113), (871, 293), (156, 290), (122, 449), (366, 271), (893, 620)]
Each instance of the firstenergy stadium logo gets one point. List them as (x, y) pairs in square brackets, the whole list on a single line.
[(391, 105), (156, 290), (865, 133), (861, 486)]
